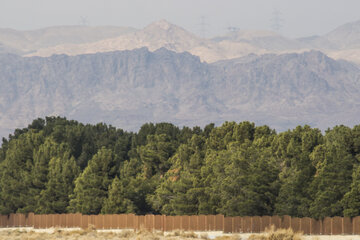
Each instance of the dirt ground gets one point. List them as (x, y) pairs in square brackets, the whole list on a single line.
[(92, 234)]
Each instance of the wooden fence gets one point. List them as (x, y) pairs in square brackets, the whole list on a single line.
[(327, 226)]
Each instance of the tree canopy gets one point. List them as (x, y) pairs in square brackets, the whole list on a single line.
[(57, 165)]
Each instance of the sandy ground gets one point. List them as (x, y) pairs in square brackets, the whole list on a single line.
[(89, 234)]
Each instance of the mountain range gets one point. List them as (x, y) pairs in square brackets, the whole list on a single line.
[(131, 87), (341, 43)]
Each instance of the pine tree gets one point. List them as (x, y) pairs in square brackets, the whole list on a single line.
[(91, 187), (62, 174), (116, 202), (351, 200), (333, 177), (16, 177)]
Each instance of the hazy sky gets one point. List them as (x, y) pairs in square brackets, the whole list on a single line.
[(300, 17)]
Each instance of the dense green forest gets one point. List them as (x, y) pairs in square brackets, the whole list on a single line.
[(56, 166)]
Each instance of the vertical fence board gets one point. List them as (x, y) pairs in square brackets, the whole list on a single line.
[(228, 225), (193, 223), (336, 226), (247, 224), (99, 221), (305, 225), (77, 220), (84, 221), (185, 223), (316, 228), (108, 221), (63, 220), (255, 224), (356, 225), (22, 220), (177, 222), (347, 226), (158, 222), (11, 220), (265, 223), (51, 221), (201, 223), (140, 222), (210, 222), (295, 224), (43, 221), (327, 226), (29, 220), (149, 222), (36, 221), (57, 220), (113, 219), (237, 225), (3, 221), (16, 220), (286, 222), (130, 221), (219, 222), (276, 221), (169, 223), (122, 221)]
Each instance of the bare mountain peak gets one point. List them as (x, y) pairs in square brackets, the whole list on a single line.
[(162, 24)]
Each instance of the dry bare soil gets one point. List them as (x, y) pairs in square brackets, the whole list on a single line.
[(92, 234)]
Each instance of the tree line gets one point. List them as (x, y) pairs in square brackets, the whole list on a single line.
[(57, 165)]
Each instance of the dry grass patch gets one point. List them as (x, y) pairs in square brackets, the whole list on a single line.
[(280, 234)]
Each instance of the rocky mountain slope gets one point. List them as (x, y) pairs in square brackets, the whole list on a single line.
[(157, 35), (129, 88)]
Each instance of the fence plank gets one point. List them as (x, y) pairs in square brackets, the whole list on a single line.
[(84, 221), (228, 224), (130, 221), (336, 226), (237, 225), (3, 221), (210, 222), (276, 221), (113, 219), (177, 222), (305, 225), (316, 227), (327, 226), (158, 222), (169, 223), (56, 220), (121, 221), (194, 223), (347, 226), (356, 225), (265, 223), (51, 221), (255, 224), (295, 224), (201, 223), (219, 222), (247, 224), (185, 223), (286, 222)]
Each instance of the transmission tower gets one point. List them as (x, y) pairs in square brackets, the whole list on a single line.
[(203, 26), (84, 21), (276, 21), (233, 29)]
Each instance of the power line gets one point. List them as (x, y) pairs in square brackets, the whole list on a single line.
[(276, 21)]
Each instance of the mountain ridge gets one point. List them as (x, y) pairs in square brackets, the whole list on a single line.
[(129, 88)]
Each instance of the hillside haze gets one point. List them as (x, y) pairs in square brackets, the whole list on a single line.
[(129, 88)]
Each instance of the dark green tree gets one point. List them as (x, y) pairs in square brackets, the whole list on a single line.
[(91, 187)]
